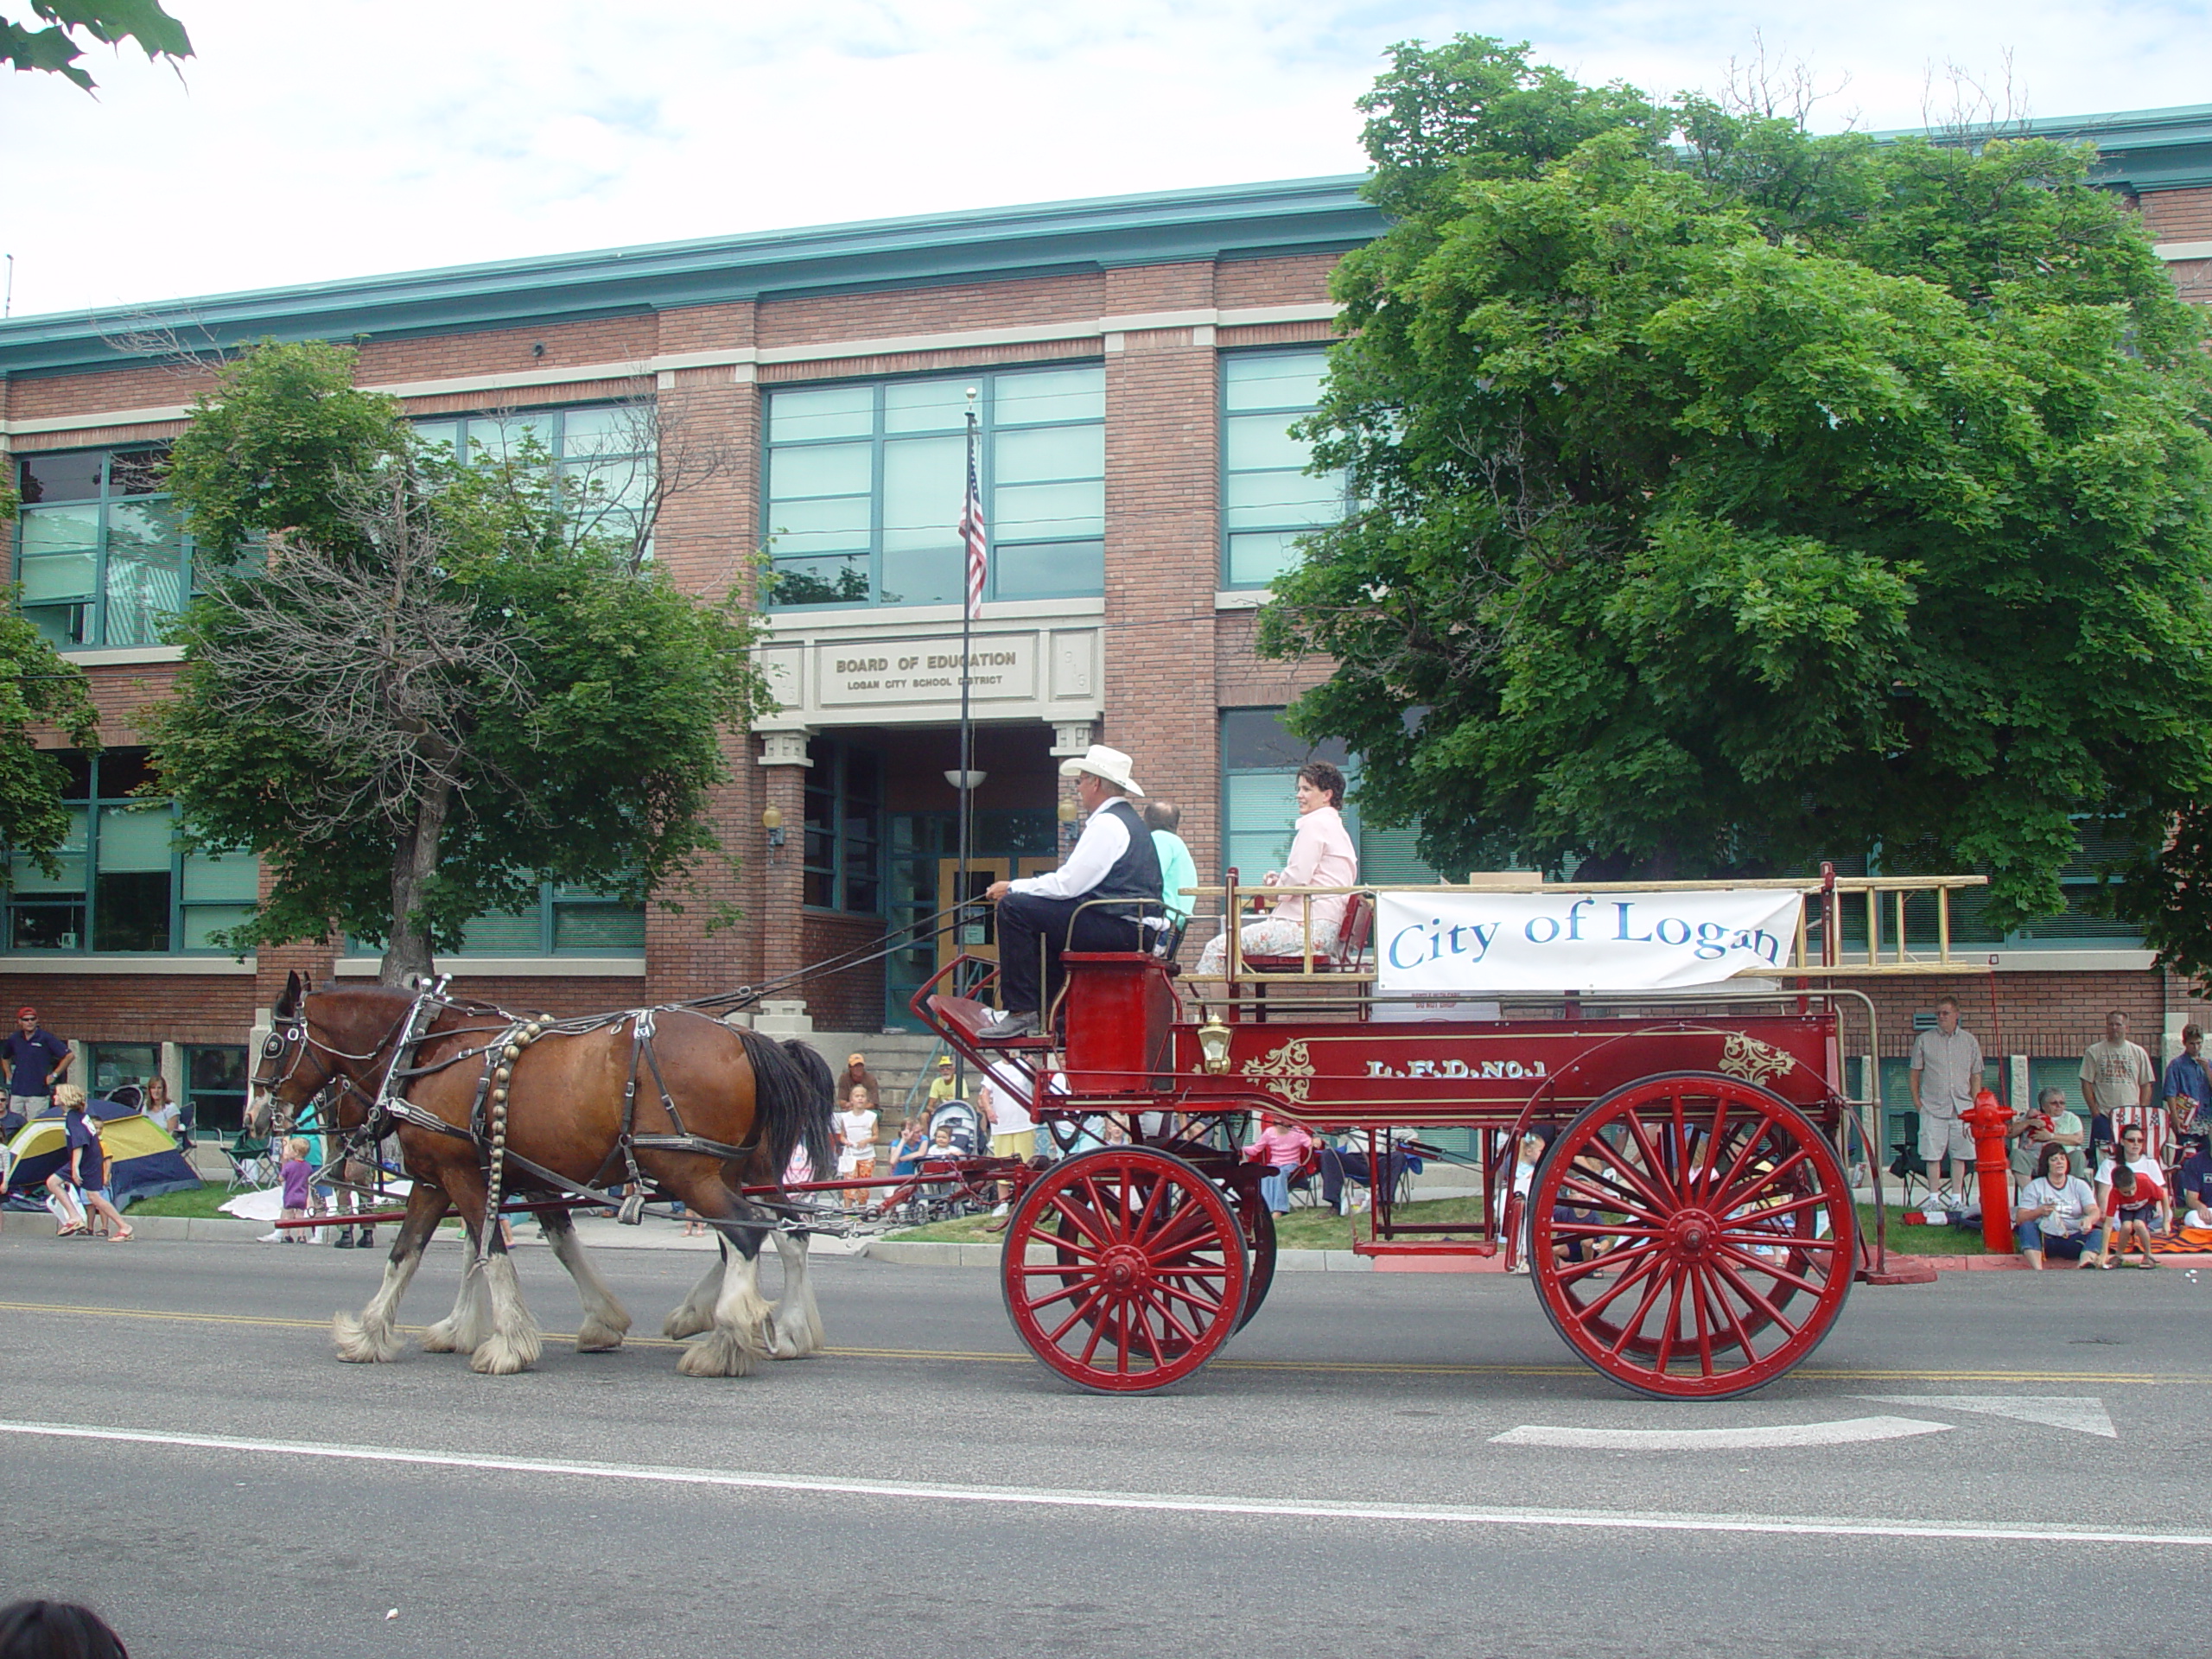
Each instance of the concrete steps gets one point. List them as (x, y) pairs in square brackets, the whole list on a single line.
[(900, 1061)]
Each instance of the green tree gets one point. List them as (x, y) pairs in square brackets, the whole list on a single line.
[(445, 686), (40, 688), (53, 49), (1735, 500)]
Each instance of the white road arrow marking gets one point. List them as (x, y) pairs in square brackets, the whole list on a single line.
[(2083, 1415), (1847, 1431)]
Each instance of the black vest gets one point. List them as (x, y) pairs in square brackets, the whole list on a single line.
[(1135, 874)]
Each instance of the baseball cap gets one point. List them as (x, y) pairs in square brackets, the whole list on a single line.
[(26, 1013), (945, 1059), (856, 1059)]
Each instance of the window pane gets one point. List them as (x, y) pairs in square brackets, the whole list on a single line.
[(1049, 395), (1257, 558), (1055, 571), (135, 839), (445, 432), (511, 436), (70, 857), (821, 581), (116, 1063), (921, 576), (1274, 379), (72, 477), (924, 479), (832, 525), (136, 472), (1261, 809), (58, 577), (1277, 500), (233, 880), (131, 911), (52, 530), (123, 771), (1034, 511), (203, 922), (599, 928), (829, 412), (62, 626), (1263, 441), (47, 927), (926, 405), (615, 430), (504, 935), (145, 587), (820, 469), (1049, 453)]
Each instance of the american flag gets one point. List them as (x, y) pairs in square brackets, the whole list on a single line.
[(971, 530)]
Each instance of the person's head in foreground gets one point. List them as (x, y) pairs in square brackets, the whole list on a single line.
[(56, 1629)]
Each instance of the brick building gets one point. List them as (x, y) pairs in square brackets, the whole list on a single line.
[(1134, 363)]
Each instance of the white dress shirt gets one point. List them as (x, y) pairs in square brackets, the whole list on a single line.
[(1105, 837)]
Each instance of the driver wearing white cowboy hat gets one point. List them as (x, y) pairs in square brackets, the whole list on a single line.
[(1113, 858)]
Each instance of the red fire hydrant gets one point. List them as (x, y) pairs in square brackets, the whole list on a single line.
[(1987, 1121)]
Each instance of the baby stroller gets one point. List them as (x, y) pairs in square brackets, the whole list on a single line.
[(965, 1122), (940, 1200)]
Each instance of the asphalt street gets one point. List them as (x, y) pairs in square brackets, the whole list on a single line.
[(1386, 1465)]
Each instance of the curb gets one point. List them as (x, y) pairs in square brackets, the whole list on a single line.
[(924, 1253)]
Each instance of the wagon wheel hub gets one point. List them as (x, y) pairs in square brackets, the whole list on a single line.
[(1123, 1267), (1693, 1233)]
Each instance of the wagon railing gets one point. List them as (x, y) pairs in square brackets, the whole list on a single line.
[(1880, 909)]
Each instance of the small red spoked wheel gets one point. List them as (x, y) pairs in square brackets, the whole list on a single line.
[(1125, 1269), (1709, 1235)]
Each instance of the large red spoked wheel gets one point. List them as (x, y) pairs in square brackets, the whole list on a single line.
[(1125, 1269), (1691, 1236)]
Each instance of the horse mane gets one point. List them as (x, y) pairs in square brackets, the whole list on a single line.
[(792, 1094)]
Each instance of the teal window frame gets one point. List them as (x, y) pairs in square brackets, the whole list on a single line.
[(215, 1086), (1252, 466), (1385, 856), (113, 828), (841, 845), (103, 1061), (539, 931), (86, 616), (1024, 567), (582, 441)]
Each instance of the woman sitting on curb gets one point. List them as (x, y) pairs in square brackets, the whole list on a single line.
[(2058, 1214)]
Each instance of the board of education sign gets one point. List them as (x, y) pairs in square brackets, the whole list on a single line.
[(1532, 941)]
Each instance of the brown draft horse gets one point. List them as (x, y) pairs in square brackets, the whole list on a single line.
[(735, 1106)]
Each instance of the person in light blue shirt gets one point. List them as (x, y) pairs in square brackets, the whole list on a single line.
[(1177, 869)]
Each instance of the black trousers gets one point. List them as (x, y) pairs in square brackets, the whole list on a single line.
[(1338, 1165), (1027, 919)]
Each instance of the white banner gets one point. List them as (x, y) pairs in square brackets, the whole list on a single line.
[(1439, 943)]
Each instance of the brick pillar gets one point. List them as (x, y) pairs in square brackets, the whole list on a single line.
[(783, 774), (1163, 542)]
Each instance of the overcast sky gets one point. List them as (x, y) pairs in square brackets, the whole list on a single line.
[(337, 138)]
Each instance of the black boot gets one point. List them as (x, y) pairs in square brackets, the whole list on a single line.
[(368, 1238), (344, 1239)]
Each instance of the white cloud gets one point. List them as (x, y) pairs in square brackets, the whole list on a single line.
[(318, 142)]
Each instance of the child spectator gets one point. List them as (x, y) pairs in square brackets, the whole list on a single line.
[(856, 1142), (2133, 1193), (907, 1150), (1283, 1149), (2058, 1214), (88, 1162), (293, 1172)]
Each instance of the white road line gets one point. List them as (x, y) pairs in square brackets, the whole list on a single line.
[(1849, 1430), (1050, 1497), (2085, 1414)]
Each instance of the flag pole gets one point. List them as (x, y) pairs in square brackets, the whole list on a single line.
[(971, 534)]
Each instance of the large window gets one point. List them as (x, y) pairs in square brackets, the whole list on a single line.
[(214, 1088), (98, 549), (842, 859), (1258, 817), (123, 884), (564, 922), (865, 485), (1268, 499), (602, 455)]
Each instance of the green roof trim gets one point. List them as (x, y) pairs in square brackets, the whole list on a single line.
[(1297, 215)]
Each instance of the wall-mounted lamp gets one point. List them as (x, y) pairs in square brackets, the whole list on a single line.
[(772, 820), (537, 349)]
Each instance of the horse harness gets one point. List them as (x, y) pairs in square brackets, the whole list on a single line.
[(487, 1117)]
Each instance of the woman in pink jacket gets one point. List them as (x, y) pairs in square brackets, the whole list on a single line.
[(1321, 855)]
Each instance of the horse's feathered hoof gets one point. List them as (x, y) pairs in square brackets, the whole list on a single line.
[(500, 1355), (600, 1335), (358, 1344), (719, 1353), (438, 1339)]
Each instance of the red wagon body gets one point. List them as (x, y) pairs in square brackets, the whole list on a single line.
[(1690, 1225)]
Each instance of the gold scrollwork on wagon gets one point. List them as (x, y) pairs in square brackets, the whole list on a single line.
[(1753, 1060), (1287, 1072)]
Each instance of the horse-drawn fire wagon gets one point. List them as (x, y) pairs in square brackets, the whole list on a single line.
[(1690, 1228)]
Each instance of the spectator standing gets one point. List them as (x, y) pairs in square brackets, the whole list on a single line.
[(88, 1163), (945, 1085), (2187, 1086), (37, 1059), (2058, 1214), (292, 1175), (2132, 1192), (856, 1143), (1946, 1073), (2118, 1080), (1014, 1131), (1177, 869)]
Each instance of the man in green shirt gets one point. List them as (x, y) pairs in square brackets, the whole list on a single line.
[(1177, 869)]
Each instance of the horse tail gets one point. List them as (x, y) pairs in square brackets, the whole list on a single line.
[(793, 1096)]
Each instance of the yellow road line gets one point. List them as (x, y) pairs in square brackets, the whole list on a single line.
[(1327, 1367)]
